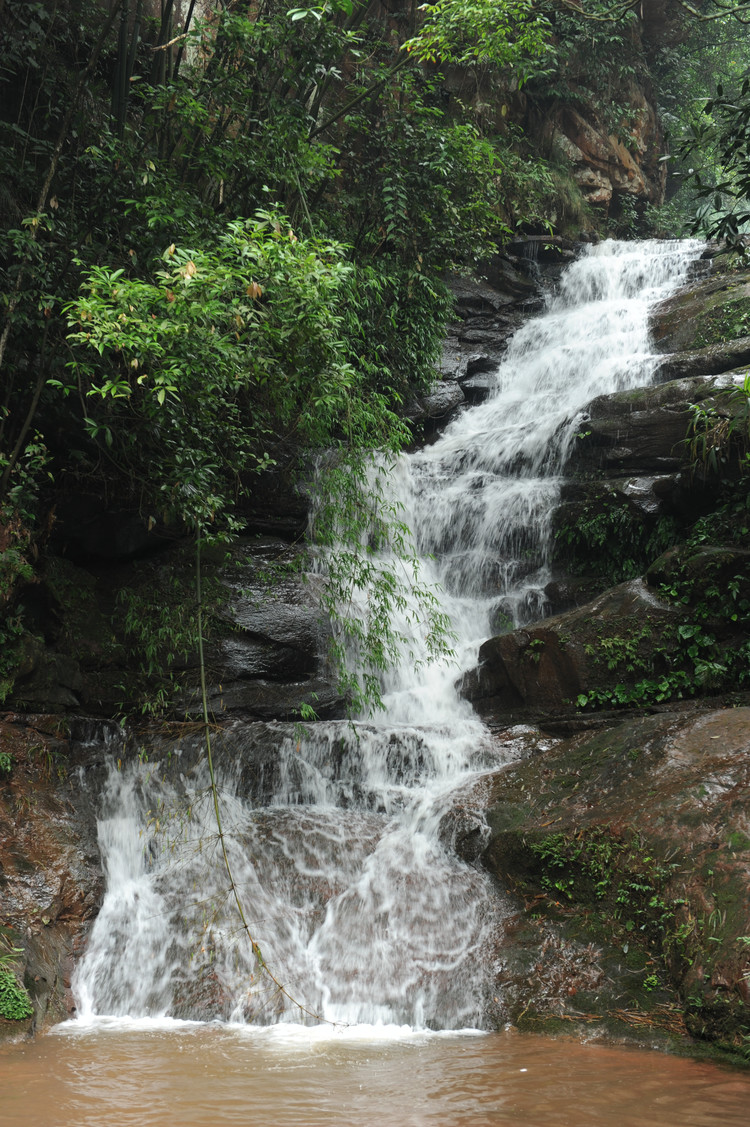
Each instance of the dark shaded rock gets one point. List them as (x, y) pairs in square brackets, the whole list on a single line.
[(53, 683), (504, 286), (473, 295), (270, 700), (85, 529), (266, 650), (279, 620), (243, 658), (511, 274), (478, 336), (276, 504)]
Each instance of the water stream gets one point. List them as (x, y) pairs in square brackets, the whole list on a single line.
[(352, 890)]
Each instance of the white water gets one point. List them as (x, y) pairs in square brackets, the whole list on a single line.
[(358, 906)]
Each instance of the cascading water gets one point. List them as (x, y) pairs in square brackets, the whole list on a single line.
[(358, 906)]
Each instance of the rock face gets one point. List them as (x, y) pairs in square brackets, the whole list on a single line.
[(542, 670), (643, 432), (50, 872), (488, 312), (603, 167), (633, 846), (266, 641), (711, 310), (705, 327)]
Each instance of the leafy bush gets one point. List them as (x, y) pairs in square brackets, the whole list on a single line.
[(15, 1004)]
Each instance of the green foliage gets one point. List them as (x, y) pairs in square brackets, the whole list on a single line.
[(158, 625), (15, 568), (628, 222), (708, 651), (720, 429), (681, 662), (239, 255), (592, 60), (729, 521), (723, 187), (594, 540), (631, 888), (6, 763), (616, 651), (186, 375), (15, 1004), (465, 31), (428, 185)]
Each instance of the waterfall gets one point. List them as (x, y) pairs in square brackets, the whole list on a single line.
[(352, 888)]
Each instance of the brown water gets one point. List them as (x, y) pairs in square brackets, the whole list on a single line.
[(209, 1076)]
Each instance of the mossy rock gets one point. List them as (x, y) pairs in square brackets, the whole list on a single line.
[(635, 842), (708, 312)]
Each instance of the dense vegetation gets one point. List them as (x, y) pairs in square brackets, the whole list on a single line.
[(278, 185), (223, 239), (222, 247)]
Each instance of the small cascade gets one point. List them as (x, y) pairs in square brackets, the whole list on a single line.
[(351, 885)]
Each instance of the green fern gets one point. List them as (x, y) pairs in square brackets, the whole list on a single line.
[(15, 1004)]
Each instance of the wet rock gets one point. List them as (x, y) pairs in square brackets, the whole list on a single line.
[(478, 388), (440, 403), (266, 648), (53, 684), (711, 360), (543, 668), (643, 431), (476, 296), (572, 591), (710, 310), (550, 250), (270, 700), (488, 312), (50, 877), (464, 831), (634, 844), (706, 325)]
